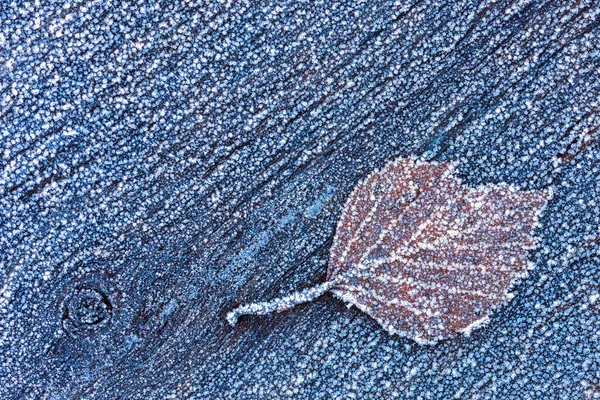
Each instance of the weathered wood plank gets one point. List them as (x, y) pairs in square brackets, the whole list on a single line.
[(165, 162)]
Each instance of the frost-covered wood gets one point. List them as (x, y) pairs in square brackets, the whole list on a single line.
[(162, 163)]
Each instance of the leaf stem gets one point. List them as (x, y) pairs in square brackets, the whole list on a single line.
[(280, 304)]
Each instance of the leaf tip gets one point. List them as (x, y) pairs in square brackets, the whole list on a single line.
[(467, 330)]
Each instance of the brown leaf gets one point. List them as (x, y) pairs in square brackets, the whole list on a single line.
[(424, 255)]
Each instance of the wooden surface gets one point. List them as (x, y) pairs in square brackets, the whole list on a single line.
[(165, 162)]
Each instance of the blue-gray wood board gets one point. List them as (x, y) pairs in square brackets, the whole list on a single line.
[(164, 162)]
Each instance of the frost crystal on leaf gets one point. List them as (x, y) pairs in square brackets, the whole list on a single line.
[(424, 255)]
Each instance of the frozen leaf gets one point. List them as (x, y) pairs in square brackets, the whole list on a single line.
[(424, 255)]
